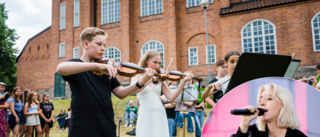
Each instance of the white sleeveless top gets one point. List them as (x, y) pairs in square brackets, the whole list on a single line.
[(152, 117)]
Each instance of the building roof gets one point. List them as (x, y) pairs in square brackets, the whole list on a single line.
[(254, 4), (32, 39)]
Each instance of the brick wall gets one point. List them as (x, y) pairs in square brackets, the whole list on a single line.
[(177, 28)]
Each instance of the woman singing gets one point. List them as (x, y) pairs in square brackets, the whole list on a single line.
[(279, 118)]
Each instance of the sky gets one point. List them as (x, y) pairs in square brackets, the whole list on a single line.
[(28, 18)]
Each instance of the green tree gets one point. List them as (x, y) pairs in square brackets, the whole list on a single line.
[(8, 66)]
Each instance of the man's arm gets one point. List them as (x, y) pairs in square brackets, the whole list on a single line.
[(122, 92), (70, 68)]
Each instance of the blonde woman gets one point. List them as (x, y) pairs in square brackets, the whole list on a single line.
[(279, 118), (152, 119)]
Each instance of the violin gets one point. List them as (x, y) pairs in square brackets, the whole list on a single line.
[(124, 68), (175, 76)]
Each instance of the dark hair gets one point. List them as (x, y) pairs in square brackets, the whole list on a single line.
[(318, 66), (220, 63), (25, 95), (298, 77), (44, 95), (16, 99), (230, 53)]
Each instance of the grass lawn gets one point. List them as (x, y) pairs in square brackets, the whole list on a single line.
[(118, 106)]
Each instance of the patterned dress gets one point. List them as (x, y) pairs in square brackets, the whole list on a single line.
[(3, 122)]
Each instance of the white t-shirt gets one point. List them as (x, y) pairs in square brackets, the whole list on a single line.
[(223, 87)]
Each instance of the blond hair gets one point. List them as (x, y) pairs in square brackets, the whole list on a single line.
[(287, 117), (148, 55), (89, 33)]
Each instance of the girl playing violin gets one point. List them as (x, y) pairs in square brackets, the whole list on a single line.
[(92, 93), (231, 59), (152, 120)]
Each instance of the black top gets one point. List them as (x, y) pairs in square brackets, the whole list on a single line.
[(213, 80), (254, 132), (46, 109), (198, 103), (171, 113), (92, 112), (217, 96)]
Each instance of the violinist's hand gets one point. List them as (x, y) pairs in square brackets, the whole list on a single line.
[(314, 79), (215, 87), (246, 119), (107, 69), (150, 72), (187, 78)]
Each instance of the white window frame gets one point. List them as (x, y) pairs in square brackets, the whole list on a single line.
[(107, 12), (76, 14), (189, 60), (195, 3), (114, 53), (263, 35), (62, 52), (62, 16), (74, 53), (163, 53), (313, 35), (148, 9), (215, 54)]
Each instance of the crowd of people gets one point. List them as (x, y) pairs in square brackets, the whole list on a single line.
[(25, 113)]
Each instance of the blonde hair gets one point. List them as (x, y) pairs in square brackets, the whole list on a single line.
[(287, 117), (148, 55), (89, 33)]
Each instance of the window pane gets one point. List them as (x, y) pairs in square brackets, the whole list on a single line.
[(110, 11), (150, 7), (262, 37)]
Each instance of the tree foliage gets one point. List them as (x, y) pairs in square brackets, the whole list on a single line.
[(8, 67)]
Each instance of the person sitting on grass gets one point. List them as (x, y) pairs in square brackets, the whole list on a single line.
[(61, 118), (130, 113)]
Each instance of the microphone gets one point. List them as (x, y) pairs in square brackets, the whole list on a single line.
[(246, 112)]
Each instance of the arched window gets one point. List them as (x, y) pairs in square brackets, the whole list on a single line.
[(259, 36), (154, 45), (112, 53), (315, 23)]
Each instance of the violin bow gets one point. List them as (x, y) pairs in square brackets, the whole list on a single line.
[(122, 59), (167, 71)]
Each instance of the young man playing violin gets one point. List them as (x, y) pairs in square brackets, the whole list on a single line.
[(92, 112)]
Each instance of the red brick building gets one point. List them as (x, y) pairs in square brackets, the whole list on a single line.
[(174, 28)]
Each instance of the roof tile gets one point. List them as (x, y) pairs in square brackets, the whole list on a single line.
[(254, 4)]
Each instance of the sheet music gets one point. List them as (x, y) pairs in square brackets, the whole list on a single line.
[(190, 92)]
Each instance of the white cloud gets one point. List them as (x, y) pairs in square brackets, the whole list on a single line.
[(28, 18)]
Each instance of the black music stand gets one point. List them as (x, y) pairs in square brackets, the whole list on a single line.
[(251, 66)]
